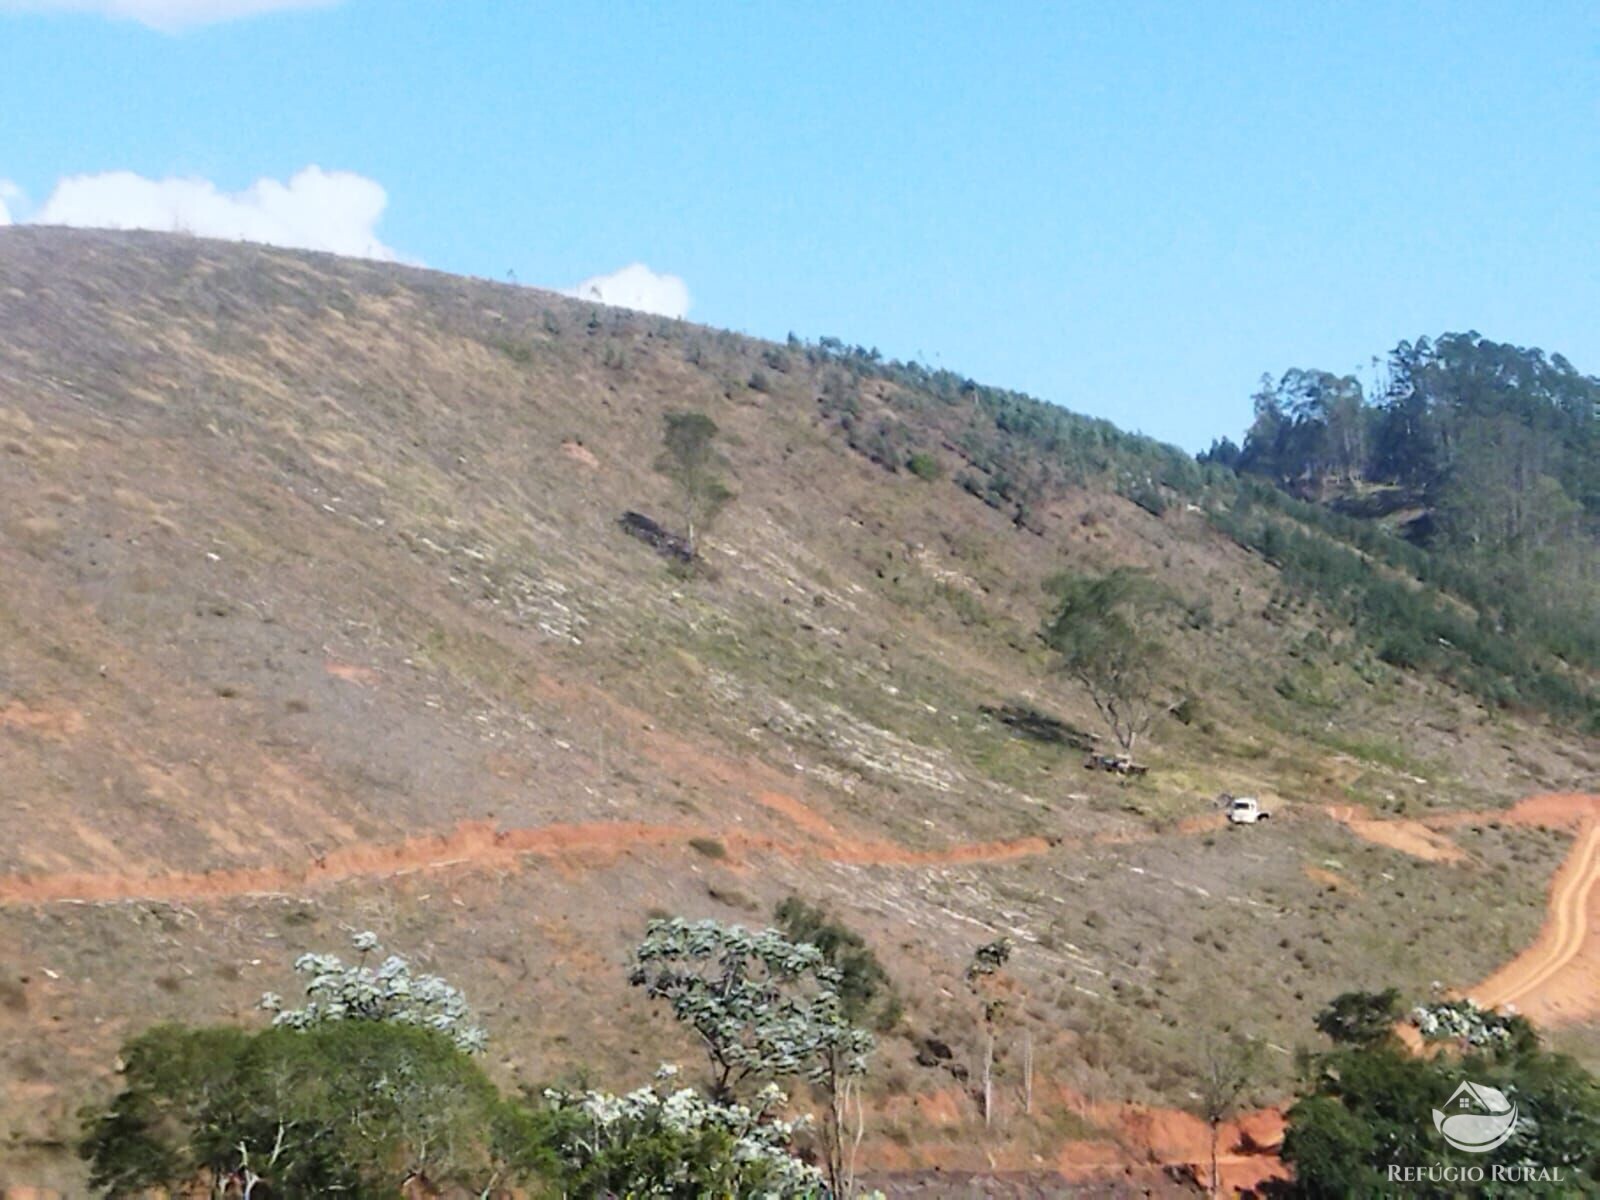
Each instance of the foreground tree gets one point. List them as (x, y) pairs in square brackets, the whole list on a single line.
[(1101, 630), (1225, 1069), (664, 1141), (370, 1090), (348, 1107), (764, 1008)]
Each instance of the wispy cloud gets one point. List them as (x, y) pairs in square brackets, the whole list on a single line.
[(314, 209), (166, 15), (637, 286), (337, 211)]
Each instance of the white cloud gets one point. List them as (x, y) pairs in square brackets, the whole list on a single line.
[(9, 192), (165, 15), (637, 286), (337, 211)]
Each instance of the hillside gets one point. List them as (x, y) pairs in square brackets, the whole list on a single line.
[(316, 616)]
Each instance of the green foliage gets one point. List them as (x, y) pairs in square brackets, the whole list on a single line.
[(691, 460), (378, 1109), (1332, 1149), (1367, 1106), (389, 992), (763, 1006), (1360, 1018), (1101, 631), (1336, 560), (1499, 447), (1020, 451), (886, 442), (370, 1090), (341, 1107), (1464, 1023), (924, 466), (865, 990), (149, 1135)]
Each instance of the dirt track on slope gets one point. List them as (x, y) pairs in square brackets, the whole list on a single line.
[(479, 845), (1557, 979)]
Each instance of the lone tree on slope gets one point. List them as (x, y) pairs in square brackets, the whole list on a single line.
[(1101, 630), (691, 460)]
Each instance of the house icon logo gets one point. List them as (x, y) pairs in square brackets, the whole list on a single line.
[(1477, 1118)]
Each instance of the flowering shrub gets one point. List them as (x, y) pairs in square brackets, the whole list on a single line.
[(664, 1141), (1463, 1021), (337, 991), (763, 1005)]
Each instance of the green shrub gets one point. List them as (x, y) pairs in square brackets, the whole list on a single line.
[(349, 1106), (865, 990)]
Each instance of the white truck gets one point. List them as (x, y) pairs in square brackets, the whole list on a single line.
[(1245, 810)]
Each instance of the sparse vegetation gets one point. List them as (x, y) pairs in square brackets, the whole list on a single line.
[(439, 651), (1225, 1069), (710, 847)]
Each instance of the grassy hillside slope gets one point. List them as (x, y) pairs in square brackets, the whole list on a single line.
[(301, 558)]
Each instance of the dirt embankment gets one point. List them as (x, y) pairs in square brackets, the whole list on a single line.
[(1408, 837)]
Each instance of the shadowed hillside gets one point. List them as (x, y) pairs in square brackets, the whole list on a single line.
[(316, 615)]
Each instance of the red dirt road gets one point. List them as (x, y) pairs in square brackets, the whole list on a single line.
[(480, 845), (1557, 979)]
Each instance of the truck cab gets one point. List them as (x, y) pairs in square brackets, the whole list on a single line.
[(1245, 810)]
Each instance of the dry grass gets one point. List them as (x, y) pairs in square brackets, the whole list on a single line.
[(297, 554)]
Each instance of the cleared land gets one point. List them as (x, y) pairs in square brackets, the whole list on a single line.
[(315, 616)]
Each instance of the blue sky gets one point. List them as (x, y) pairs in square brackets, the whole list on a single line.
[(1130, 209)]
